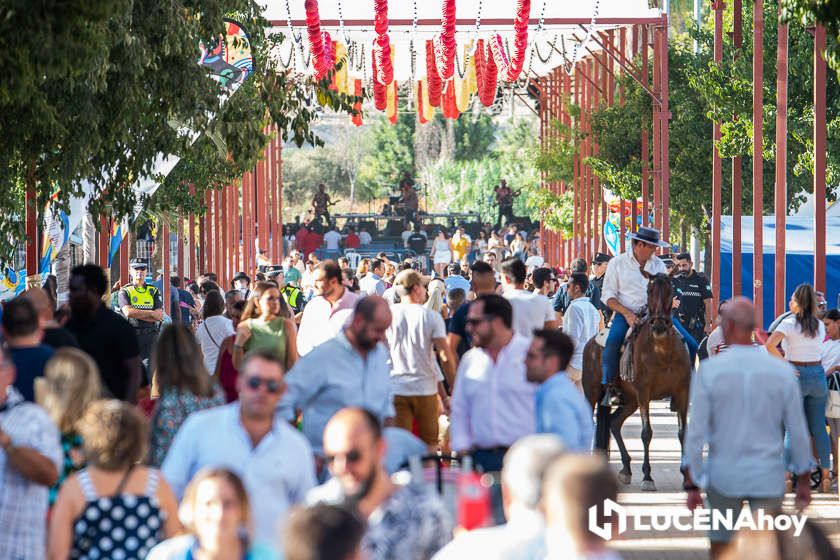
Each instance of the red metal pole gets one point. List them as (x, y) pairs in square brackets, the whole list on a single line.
[(657, 150), (224, 222), (248, 219), (737, 169), (567, 96), (262, 202), (596, 182), (125, 247), (665, 115), (609, 82), (166, 247), (758, 157), (781, 166), (576, 222), (717, 171), (204, 227), (218, 251), (643, 37), (191, 247), (279, 186), (819, 158), (180, 264)]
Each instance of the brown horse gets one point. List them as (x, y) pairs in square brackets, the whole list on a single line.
[(661, 368)]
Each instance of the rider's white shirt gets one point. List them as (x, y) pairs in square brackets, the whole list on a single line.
[(624, 282)]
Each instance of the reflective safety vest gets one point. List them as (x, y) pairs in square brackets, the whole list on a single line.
[(141, 298), (294, 297)]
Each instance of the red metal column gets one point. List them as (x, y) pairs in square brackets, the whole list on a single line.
[(230, 225), (576, 206), (643, 36), (598, 77), (166, 247), (758, 157), (235, 218), (191, 268), (248, 221), (665, 115), (179, 269), (781, 166), (125, 247), (717, 172), (218, 251), (104, 243), (657, 153), (205, 227), (737, 169), (819, 158), (224, 221), (262, 202), (608, 82), (566, 99)]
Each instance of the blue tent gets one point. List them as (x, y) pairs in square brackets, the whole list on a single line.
[(799, 258)]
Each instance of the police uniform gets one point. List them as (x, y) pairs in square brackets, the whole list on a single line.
[(294, 297), (148, 298), (692, 292)]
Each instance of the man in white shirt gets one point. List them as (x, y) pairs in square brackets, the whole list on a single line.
[(372, 284), (414, 335), (744, 403), (493, 404), (364, 237), (332, 243), (534, 260), (522, 476), (327, 312), (530, 311), (625, 293), (248, 437), (581, 322)]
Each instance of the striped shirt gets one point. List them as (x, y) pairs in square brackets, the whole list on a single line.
[(23, 503)]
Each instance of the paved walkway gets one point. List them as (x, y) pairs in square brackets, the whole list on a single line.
[(665, 455)]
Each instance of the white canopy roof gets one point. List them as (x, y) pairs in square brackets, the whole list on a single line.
[(564, 22)]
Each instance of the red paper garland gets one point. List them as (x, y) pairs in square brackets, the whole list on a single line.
[(445, 42), (486, 75), (510, 69), (432, 77), (382, 44), (380, 98), (320, 44), (393, 118)]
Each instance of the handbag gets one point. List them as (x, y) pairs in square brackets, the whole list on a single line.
[(832, 405)]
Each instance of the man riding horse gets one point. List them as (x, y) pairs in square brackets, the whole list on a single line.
[(625, 293)]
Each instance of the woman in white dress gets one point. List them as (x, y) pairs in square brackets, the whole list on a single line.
[(441, 253)]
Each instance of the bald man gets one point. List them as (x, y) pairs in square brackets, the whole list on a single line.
[(754, 399), (55, 336), (409, 523)]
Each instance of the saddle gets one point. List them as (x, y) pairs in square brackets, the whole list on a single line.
[(625, 361)]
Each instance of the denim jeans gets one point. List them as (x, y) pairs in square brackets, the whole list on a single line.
[(814, 388), (618, 330)]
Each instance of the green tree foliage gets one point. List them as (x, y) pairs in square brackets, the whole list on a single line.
[(390, 156), (474, 134), (95, 90), (826, 12)]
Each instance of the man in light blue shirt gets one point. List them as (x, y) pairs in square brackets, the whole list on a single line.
[(273, 459), (455, 279), (371, 284), (741, 404), (349, 370), (560, 407)]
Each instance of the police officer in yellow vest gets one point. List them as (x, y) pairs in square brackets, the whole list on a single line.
[(142, 305), (292, 294)]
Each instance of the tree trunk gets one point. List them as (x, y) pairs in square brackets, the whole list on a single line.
[(352, 191), (89, 239), (62, 273)]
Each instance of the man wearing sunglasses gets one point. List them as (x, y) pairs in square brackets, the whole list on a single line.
[(273, 459), (404, 522), (493, 403)]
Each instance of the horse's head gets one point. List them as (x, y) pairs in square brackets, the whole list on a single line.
[(659, 303)]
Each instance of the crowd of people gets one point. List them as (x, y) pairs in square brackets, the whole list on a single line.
[(284, 415)]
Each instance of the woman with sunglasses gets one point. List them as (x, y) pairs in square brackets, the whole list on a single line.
[(267, 323)]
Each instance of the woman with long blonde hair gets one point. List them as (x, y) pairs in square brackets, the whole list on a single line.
[(70, 383), (437, 290)]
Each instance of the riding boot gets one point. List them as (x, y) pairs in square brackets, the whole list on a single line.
[(612, 396)]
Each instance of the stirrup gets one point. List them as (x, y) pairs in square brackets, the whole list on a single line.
[(612, 396)]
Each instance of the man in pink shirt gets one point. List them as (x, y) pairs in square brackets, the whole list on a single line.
[(327, 312)]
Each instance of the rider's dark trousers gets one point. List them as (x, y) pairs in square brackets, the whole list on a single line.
[(618, 330)]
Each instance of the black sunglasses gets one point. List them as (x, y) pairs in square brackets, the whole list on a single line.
[(474, 322), (271, 385), (351, 457)]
